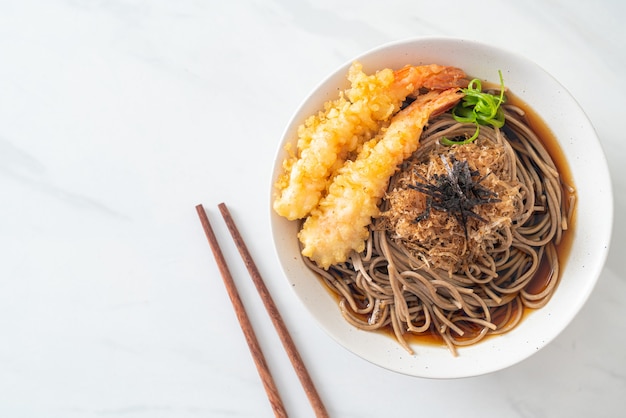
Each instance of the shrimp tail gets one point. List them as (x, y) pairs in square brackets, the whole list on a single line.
[(409, 79)]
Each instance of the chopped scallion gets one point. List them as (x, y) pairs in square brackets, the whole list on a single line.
[(478, 108)]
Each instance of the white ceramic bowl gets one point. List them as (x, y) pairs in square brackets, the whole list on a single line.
[(592, 231)]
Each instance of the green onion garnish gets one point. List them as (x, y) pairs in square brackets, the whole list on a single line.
[(478, 108)]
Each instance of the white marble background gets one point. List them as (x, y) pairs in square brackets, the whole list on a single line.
[(118, 116)]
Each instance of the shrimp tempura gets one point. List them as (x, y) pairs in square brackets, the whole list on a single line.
[(340, 223), (326, 140)]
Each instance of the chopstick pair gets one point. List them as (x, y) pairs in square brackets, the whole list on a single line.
[(246, 326)]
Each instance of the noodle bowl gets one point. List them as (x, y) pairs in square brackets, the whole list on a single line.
[(560, 296)]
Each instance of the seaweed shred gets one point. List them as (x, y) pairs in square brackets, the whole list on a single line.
[(457, 192)]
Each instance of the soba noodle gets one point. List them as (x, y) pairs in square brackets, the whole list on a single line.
[(394, 285)]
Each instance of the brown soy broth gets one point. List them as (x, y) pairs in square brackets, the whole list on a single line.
[(551, 145), (544, 274)]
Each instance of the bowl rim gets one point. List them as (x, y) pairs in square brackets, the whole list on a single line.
[(389, 357)]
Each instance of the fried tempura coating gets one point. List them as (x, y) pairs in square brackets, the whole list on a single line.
[(327, 139), (339, 224)]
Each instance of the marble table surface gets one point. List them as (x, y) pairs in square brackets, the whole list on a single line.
[(117, 117)]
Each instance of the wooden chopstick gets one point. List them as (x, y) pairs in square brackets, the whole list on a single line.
[(277, 320), (253, 343)]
